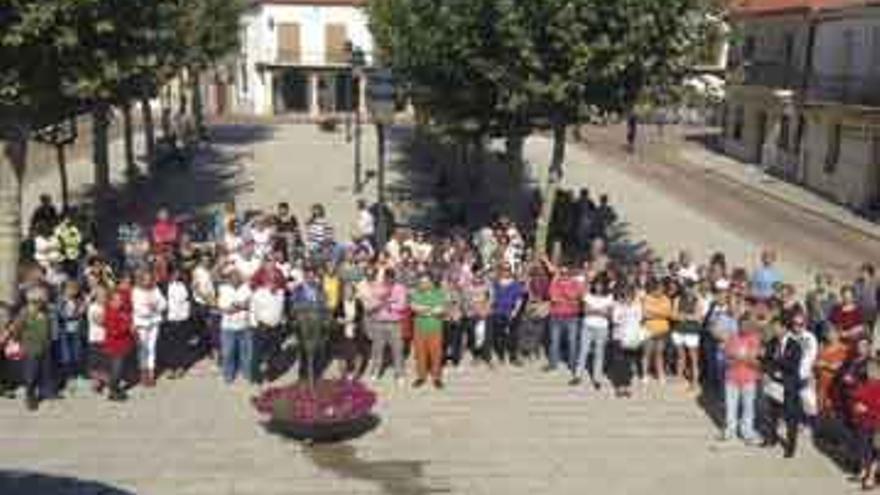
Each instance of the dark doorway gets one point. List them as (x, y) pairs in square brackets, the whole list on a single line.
[(291, 92)]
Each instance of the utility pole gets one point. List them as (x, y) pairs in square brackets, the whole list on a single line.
[(381, 227)]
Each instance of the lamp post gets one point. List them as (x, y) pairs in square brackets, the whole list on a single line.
[(382, 93), (357, 62)]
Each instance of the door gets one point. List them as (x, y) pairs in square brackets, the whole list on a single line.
[(335, 37), (761, 130)]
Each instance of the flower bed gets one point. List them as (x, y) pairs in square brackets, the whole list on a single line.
[(329, 411)]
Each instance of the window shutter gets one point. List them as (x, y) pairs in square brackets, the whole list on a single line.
[(335, 37), (288, 43)]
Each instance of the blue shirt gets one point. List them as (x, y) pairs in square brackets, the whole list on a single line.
[(505, 297), (764, 282)]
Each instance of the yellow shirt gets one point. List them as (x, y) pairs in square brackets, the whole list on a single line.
[(657, 310), (332, 291)]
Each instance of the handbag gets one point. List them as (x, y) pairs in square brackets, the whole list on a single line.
[(13, 350)]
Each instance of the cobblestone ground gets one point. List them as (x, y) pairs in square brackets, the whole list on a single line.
[(490, 432)]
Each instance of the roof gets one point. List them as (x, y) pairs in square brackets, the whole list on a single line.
[(746, 8)]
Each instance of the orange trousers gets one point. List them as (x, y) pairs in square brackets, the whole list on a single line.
[(429, 354)]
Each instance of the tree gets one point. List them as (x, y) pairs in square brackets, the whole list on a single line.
[(541, 64)]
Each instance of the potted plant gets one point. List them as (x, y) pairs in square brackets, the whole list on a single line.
[(313, 409)]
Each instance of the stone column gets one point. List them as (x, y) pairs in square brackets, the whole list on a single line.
[(362, 92), (314, 89)]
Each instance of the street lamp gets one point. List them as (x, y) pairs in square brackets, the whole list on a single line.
[(357, 62)]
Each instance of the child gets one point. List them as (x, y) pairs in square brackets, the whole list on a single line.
[(119, 340)]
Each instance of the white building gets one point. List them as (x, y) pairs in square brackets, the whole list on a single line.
[(295, 57)]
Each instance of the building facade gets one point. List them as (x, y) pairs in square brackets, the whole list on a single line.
[(804, 94), (296, 58)]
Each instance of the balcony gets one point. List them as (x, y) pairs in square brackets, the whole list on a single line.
[(846, 90), (770, 74)]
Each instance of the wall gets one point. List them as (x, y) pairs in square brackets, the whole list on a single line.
[(261, 45), (829, 50)]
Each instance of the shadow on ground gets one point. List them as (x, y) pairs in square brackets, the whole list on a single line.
[(212, 175), (394, 477), (438, 187), (28, 483)]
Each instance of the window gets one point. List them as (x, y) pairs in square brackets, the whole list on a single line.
[(738, 122), (288, 43), (749, 48), (784, 133), (335, 39), (832, 155), (788, 49)]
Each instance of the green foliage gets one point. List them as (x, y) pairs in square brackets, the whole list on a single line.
[(533, 63), (61, 55)]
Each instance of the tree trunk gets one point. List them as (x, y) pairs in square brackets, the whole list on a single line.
[(149, 133), (62, 175), (167, 113), (554, 176), (198, 105), (131, 170), (101, 148), (13, 154), (514, 146)]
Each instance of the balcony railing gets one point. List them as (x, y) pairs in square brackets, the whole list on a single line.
[(848, 90), (771, 74)]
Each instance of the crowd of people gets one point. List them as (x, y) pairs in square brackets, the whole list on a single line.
[(162, 299)]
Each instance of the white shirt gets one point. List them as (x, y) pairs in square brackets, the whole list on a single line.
[(365, 223), (234, 302), (203, 286), (231, 242), (627, 323), (148, 305), (262, 238), (809, 352), (594, 302), (247, 267), (267, 307), (178, 301), (46, 250), (95, 317), (688, 272)]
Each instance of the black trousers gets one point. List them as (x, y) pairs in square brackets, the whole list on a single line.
[(175, 350), (624, 364), (504, 338), (120, 366), (453, 341), (788, 413), (38, 376), (531, 336)]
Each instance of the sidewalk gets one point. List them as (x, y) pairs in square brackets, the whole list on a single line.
[(697, 156)]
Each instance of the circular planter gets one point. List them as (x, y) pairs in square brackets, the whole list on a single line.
[(323, 433), (327, 411)]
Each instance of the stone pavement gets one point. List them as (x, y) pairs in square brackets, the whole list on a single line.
[(491, 432)]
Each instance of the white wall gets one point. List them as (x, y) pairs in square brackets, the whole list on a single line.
[(260, 31)]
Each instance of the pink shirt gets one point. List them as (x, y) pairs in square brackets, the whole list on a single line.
[(165, 233), (565, 297), (742, 351), (391, 302)]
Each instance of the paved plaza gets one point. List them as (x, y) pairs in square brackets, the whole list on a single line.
[(492, 431)]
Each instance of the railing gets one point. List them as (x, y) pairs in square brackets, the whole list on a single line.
[(849, 90)]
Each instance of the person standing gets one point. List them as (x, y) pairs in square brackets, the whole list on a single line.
[(765, 279), (33, 330), (867, 291), (537, 310), (598, 304), (97, 333), (70, 310), (236, 335), (177, 332), (627, 340), (847, 317), (657, 309), (508, 295), (204, 296), (566, 293), (349, 338), (148, 306), (743, 371), (319, 233), (287, 232), (790, 362), (428, 302), (119, 341), (386, 306), (690, 311)]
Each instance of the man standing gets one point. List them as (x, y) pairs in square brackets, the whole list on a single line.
[(766, 277), (565, 293), (366, 224), (508, 296), (428, 302), (866, 289)]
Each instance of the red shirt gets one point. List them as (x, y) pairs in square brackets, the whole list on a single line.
[(742, 350), (846, 319), (118, 340), (565, 297), (270, 277), (868, 395), (165, 233)]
